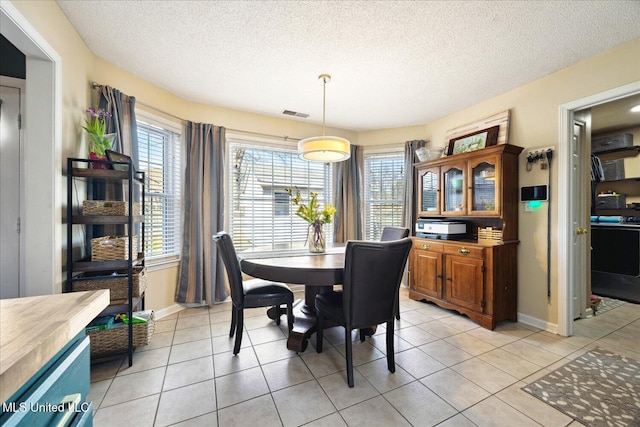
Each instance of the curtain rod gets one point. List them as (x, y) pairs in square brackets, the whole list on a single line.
[(95, 85)]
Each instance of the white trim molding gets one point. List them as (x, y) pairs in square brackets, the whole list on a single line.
[(42, 220), (565, 188), (537, 323)]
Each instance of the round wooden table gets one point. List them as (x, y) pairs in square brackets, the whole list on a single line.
[(318, 272)]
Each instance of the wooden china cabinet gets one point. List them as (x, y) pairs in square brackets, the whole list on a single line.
[(474, 276)]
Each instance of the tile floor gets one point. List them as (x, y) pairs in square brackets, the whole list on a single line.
[(449, 372)]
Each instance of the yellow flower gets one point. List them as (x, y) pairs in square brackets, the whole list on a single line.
[(311, 212)]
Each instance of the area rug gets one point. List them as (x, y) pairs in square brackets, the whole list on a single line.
[(599, 388), (607, 304)]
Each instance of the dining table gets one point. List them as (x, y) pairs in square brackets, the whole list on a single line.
[(294, 264)]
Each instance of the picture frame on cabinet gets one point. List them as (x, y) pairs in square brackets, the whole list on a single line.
[(114, 156), (473, 141)]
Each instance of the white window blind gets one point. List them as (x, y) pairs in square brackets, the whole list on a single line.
[(160, 159), (383, 192), (259, 211)]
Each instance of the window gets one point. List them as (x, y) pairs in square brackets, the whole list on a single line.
[(160, 158), (383, 192), (258, 210)]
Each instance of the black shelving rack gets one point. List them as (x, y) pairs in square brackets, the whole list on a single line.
[(116, 173)]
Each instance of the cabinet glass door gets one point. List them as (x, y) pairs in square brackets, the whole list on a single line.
[(483, 187), (453, 191), (482, 196), (429, 188)]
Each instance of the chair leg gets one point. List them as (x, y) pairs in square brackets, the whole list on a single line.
[(290, 316), (233, 321), (240, 316), (391, 363), (349, 347), (319, 331), (362, 335), (398, 308), (278, 313)]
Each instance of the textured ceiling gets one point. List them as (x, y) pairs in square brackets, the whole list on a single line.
[(393, 63)]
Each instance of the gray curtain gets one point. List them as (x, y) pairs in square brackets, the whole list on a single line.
[(348, 217), (201, 276), (410, 199), (123, 123)]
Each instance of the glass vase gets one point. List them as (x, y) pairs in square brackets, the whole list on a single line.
[(316, 238), (97, 165), (101, 143)]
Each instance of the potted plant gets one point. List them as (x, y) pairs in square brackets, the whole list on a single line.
[(315, 216), (99, 140)]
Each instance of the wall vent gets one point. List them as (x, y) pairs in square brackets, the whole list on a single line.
[(294, 114)]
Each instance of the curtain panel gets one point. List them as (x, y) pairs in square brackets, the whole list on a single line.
[(349, 203), (201, 276), (410, 148), (123, 123)]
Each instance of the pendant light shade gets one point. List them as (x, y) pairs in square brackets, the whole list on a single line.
[(326, 149)]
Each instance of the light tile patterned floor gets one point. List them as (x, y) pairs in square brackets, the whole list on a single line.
[(449, 372)]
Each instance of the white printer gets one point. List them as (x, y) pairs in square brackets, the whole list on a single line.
[(435, 229)]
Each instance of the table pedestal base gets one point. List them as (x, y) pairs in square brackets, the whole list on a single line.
[(304, 325)]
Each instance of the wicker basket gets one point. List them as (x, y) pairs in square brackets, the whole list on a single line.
[(489, 236), (107, 207), (117, 284), (112, 248), (117, 339)]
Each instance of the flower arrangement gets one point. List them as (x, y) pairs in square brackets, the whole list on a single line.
[(314, 215), (96, 127)]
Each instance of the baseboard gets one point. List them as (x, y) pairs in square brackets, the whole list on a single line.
[(168, 311), (538, 323)]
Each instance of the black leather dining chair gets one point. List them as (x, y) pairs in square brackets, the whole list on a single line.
[(372, 275), (394, 233), (250, 293)]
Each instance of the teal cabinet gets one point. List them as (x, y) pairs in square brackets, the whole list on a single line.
[(57, 394)]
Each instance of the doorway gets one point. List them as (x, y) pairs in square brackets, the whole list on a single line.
[(567, 205), (41, 225), (11, 190)]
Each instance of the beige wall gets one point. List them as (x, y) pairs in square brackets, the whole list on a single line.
[(534, 123)]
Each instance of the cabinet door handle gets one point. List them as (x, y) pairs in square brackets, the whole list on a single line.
[(425, 246), (464, 251), (449, 278), (71, 404), (438, 276)]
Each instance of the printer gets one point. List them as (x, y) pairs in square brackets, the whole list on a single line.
[(436, 229)]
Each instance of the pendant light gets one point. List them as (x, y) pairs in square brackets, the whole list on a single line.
[(325, 149)]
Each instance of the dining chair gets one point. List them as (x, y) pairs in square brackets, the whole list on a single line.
[(372, 275), (394, 233), (252, 293)]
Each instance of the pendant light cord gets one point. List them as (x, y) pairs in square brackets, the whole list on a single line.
[(324, 78)]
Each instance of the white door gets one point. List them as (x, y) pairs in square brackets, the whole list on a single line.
[(11, 94), (580, 221)]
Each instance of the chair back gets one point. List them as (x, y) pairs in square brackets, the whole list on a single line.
[(394, 233), (227, 252), (372, 275)]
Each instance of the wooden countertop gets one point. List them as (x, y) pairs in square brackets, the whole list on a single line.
[(34, 329)]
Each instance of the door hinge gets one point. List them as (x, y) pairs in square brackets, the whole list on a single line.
[(483, 269), (482, 304), (19, 121), (18, 225)]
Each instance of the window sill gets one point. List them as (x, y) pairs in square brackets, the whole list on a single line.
[(162, 264)]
